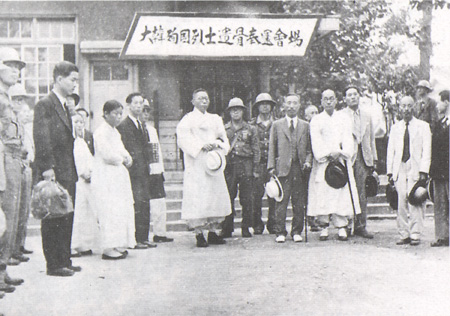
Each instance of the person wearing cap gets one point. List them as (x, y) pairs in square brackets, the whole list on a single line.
[(439, 171), (425, 106), (53, 141), (206, 200), (290, 159), (12, 175), (135, 139), (242, 165), (364, 158), (408, 161), (263, 105), (22, 111), (331, 141), (157, 193)]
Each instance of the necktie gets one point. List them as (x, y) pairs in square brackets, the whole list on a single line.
[(357, 126), (406, 154), (69, 117), (292, 128)]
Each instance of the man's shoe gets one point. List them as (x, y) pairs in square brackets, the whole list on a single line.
[(13, 262), (363, 233), (74, 268), (342, 234), (26, 251), (404, 241), (258, 230), (107, 257), (214, 239), (75, 254), (280, 239), (140, 246), (62, 272), (297, 238), (201, 241), (246, 233), (149, 244), (440, 243), (315, 229), (21, 258), (86, 253), (7, 288), (324, 234), (13, 281), (415, 242), (226, 234), (162, 239)]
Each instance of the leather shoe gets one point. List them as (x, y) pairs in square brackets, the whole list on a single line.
[(162, 239), (363, 233), (86, 253), (75, 255), (13, 281), (62, 272), (140, 246), (201, 241), (21, 258), (74, 268), (415, 242), (7, 288), (214, 239), (246, 233), (404, 241), (149, 244), (106, 257), (26, 251), (440, 243), (13, 262)]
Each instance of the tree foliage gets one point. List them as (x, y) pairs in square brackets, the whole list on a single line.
[(359, 53)]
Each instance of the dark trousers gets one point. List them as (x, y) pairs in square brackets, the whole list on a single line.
[(258, 194), (24, 212), (57, 235), (294, 188), (56, 238), (441, 207), (361, 171), (236, 177), (142, 220)]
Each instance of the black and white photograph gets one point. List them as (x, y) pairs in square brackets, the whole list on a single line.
[(204, 158)]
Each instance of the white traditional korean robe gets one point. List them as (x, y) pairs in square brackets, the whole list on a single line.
[(331, 134), (111, 189), (85, 223), (204, 196)]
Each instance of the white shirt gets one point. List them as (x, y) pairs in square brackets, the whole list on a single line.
[(135, 121), (290, 119)]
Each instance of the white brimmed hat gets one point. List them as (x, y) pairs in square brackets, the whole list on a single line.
[(274, 190), (214, 162)]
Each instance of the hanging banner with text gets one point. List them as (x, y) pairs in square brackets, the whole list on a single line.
[(183, 36)]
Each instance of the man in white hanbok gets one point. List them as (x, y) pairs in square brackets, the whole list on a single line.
[(331, 140), (206, 201)]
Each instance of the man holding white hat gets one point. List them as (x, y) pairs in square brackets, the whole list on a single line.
[(408, 161), (206, 201), (242, 165)]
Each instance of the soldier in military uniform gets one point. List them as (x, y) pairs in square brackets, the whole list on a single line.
[(242, 166), (263, 105)]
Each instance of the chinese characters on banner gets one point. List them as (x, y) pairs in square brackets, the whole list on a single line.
[(218, 37)]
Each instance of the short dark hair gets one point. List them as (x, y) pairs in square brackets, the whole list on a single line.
[(445, 95), (130, 97), (64, 69), (111, 105), (351, 87), (197, 91), (293, 95), (83, 110)]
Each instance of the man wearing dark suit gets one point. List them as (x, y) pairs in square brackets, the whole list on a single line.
[(365, 153), (134, 137), (53, 139), (290, 159)]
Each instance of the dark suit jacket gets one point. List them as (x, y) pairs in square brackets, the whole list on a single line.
[(440, 151), (135, 143), (89, 139), (53, 141), (280, 156)]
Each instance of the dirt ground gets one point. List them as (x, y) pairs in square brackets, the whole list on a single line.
[(252, 276)]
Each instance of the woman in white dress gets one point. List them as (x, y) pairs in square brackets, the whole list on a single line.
[(331, 140), (111, 186), (85, 224)]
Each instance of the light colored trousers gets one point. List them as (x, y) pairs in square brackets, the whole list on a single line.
[(338, 221), (158, 216), (413, 226)]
